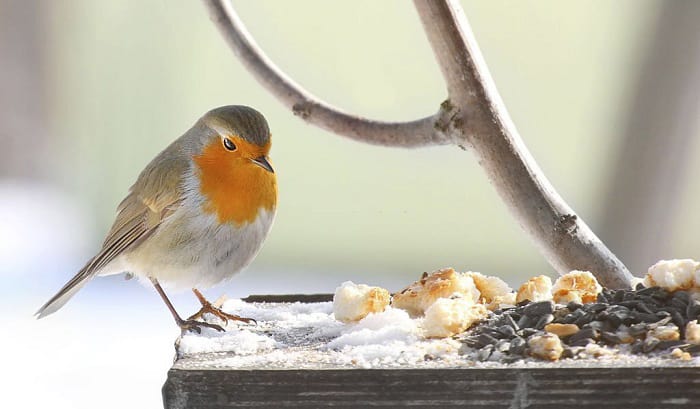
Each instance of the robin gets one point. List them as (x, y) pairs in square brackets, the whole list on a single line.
[(197, 214)]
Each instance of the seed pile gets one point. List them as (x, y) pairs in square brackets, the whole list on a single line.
[(646, 320)]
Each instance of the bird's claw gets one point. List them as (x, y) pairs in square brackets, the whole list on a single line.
[(196, 326), (225, 317)]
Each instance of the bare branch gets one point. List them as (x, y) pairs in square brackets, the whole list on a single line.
[(473, 116), (484, 124), (422, 132)]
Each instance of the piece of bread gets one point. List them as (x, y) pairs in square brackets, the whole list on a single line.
[(494, 291), (445, 283), (673, 275), (547, 346), (692, 332), (450, 316), (576, 286), (665, 333), (535, 289), (352, 302)]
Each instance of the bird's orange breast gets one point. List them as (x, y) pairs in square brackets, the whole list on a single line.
[(235, 188)]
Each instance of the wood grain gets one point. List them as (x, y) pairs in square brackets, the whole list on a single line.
[(514, 388)]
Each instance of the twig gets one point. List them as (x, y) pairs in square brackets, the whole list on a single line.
[(485, 125), (473, 116), (310, 108)]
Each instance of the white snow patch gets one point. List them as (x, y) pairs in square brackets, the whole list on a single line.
[(390, 326), (296, 335), (306, 336), (241, 342)]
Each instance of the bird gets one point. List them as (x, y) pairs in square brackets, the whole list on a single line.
[(197, 214)]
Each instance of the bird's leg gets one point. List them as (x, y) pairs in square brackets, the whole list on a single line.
[(207, 307), (185, 325)]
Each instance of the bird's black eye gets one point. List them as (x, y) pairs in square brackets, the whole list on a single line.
[(229, 145)]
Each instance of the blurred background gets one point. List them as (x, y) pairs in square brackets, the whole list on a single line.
[(605, 95)]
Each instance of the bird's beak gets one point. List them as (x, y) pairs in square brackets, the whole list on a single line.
[(263, 163)]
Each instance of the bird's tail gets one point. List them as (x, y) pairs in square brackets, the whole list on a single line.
[(65, 293)]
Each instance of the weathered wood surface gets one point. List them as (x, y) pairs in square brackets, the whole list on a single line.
[(201, 383), (436, 388)]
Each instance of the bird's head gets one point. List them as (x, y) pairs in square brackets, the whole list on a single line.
[(240, 136), (235, 174)]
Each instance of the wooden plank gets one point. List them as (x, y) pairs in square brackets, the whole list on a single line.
[(205, 381), (631, 387)]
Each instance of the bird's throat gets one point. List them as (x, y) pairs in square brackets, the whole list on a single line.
[(234, 191)]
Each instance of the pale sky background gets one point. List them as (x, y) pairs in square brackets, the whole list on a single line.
[(124, 78)]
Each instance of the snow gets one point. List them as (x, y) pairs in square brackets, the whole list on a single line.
[(242, 342), (111, 346), (117, 336), (295, 335), (307, 336)]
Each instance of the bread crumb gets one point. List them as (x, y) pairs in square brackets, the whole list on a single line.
[(678, 354), (562, 330), (566, 296), (597, 351), (547, 346), (577, 286), (352, 302), (495, 293), (692, 332), (504, 301), (679, 274), (489, 287), (445, 283), (665, 333), (450, 316), (535, 289)]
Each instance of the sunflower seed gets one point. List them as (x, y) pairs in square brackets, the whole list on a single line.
[(537, 309)]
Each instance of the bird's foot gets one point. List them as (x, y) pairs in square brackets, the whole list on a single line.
[(193, 325), (215, 310), (208, 308)]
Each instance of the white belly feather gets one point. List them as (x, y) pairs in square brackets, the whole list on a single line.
[(191, 249)]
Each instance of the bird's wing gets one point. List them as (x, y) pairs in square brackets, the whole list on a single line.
[(155, 195)]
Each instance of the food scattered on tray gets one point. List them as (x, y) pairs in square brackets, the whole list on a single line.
[(571, 318), (454, 319)]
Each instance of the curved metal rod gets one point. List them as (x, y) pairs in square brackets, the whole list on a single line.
[(422, 132)]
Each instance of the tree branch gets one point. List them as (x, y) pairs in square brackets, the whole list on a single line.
[(484, 124), (473, 116), (311, 109)]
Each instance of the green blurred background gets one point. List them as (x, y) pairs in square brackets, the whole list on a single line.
[(123, 79), (107, 84)]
